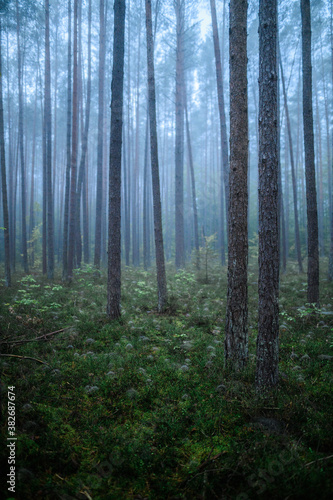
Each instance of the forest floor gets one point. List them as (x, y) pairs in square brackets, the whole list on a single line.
[(143, 408)]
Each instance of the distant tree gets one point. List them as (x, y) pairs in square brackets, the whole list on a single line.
[(293, 173), (68, 145), (310, 174), (179, 6), (223, 129), (114, 242), (236, 338), (3, 175), (330, 264), (159, 248), (75, 113), (268, 283), (21, 144), (48, 145), (99, 186)]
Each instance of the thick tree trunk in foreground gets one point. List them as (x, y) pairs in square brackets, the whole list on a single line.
[(159, 250), (310, 174), (236, 339), (114, 243), (268, 284)]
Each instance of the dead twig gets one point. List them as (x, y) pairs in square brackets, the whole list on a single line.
[(42, 337), (318, 460), (24, 357)]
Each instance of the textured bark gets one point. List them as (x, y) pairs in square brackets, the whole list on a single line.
[(72, 203), (293, 174), (21, 147), (68, 146), (114, 243), (99, 187), (3, 179), (223, 127), (236, 331), (48, 135), (268, 284), (310, 175), (159, 249), (179, 6)]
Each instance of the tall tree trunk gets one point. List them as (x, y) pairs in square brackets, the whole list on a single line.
[(268, 283), (99, 187), (310, 175), (293, 174), (21, 146), (48, 135), (330, 167), (72, 201), (114, 243), (82, 167), (236, 338), (68, 145), (194, 196), (146, 235), (3, 178), (159, 250), (223, 129), (179, 147)]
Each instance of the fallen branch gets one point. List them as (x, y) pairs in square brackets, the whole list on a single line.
[(318, 460), (42, 337), (24, 357)]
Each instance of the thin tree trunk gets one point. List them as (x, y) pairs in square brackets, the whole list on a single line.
[(194, 196), (68, 145), (48, 135), (223, 129), (179, 146), (99, 188), (159, 250), (310, 175), (330, 167), (3, 178), (293, 174), (114, 243), (21, 146), (82, 167), (72, 206)]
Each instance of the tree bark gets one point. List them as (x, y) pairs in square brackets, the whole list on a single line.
[(268, 283), (68, 146), (3, 178), (99, 188), (310, 175), (114, 243), (72, 205), (223, 129), (293, 174), (159, 249), (21, 147), (236, 338)]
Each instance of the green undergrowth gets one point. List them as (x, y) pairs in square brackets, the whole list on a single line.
[(142, 408)]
